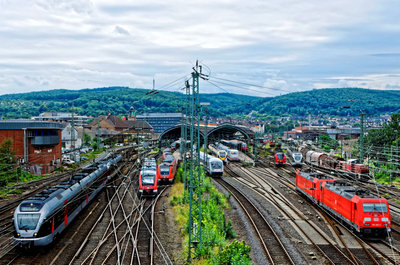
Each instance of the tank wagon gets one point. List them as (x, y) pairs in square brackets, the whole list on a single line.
[(329, 162), (365, 213), (41, 218)]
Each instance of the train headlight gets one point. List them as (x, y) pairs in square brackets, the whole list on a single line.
[(18, 234), (35, 234), (367, 219), (385, 219)]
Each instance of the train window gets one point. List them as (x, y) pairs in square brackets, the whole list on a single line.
[(28, 221), (216, 165), (45, 229), (30, 206), (164, 172), (279, 155), (148, 180), (374, 207)]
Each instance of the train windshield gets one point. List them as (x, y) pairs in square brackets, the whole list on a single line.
[(222, 154), (279, 155), (297, 157), (216, 165), (28, 221), (148, 180), (234, 152), (375, 207), (164, 170)]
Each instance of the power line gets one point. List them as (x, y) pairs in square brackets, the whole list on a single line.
[(249, 84)]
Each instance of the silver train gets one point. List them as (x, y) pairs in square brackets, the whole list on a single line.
[(41, 218), (214, 166), (232, 154), (296, 157)]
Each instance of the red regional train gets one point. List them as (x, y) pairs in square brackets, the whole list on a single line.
[(166, 170), (280, 158), (365, 213), (148, 179)]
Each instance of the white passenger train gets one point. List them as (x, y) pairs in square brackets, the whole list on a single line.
[(214, 166), (221, 154), (232, 154), (39, 219), (296, 157)]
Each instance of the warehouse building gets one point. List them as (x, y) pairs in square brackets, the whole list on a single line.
[(37, 144)]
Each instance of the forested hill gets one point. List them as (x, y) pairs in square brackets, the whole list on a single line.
[(119, 100)]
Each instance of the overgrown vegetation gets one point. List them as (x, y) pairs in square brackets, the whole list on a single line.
[(217, 234), (327, 143)]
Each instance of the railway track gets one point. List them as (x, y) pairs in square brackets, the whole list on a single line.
[(388, 252), (274, 249), (308, 230)]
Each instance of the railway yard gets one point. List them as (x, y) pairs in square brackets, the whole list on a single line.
[(122, 226)]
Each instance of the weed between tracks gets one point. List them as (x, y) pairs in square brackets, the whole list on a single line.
[(219, 246)]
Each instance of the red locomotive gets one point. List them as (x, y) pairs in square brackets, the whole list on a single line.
[(367, 214), (309, 183)]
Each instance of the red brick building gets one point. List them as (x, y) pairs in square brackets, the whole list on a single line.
[(37, 144)]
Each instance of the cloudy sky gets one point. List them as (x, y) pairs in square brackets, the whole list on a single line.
[(268, 47)]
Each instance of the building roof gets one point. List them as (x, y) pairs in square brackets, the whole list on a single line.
[(112, 119), (28, 124), (138, 125), (159, 115)]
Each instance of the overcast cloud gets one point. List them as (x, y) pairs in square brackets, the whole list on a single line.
[(284, 45)]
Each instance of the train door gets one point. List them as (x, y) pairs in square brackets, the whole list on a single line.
[(65, 212)]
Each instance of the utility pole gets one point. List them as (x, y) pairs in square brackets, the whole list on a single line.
[(195, 224), (185, 128), (205, 104), (362, 138)]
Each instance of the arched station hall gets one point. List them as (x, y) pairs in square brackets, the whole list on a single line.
[(224, 131)]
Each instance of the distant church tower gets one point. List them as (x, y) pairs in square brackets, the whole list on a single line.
[(132, 114)]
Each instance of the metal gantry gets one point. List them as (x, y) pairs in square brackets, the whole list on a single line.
[(195, 224)]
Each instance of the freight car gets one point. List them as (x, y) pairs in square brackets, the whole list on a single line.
[(365, 213), (329, 162), (214, 166), (41, 218)]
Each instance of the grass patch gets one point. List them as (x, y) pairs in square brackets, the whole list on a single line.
[(217, 233)]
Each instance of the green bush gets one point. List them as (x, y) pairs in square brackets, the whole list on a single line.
[(235, 253)]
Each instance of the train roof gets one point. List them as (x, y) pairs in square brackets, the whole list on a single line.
[(148, 172), (347, 190), (169, 158), (312, 175)]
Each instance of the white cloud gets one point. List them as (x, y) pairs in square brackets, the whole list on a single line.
[(46, 44)]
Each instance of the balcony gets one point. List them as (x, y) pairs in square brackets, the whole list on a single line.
[(45, 140)]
